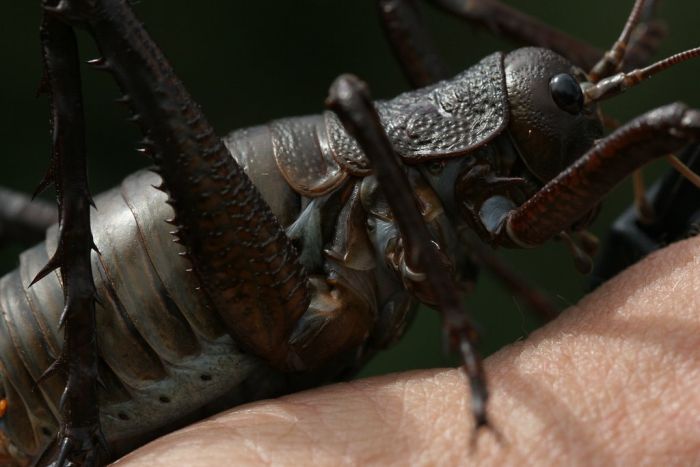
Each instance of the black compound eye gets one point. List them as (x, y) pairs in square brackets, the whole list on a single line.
[(566, 92)]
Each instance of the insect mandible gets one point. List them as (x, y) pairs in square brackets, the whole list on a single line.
[(117, 415)]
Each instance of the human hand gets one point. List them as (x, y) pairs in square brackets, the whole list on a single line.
[(614, 381)]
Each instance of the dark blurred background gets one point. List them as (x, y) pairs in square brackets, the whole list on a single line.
[(249, 62)]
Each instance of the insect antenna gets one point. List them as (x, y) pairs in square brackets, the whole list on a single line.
[(613, 58), (684, 170), (620, 82)]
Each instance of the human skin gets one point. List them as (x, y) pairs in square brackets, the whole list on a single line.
[(614, 381)]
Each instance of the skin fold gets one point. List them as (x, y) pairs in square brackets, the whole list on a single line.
[(613, 381)]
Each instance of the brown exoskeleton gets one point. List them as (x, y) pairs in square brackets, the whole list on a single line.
[(477, 147)]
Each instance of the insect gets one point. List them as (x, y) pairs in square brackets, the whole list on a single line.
[(165, 399)]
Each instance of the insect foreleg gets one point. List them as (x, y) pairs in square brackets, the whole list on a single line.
[(350, 99), (675, 202), (561, 202)]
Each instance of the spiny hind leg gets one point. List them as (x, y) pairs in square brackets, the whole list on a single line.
[(235, 245), (80, 437), (237, 248)]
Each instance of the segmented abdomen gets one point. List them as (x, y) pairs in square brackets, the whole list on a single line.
[(165, 356)]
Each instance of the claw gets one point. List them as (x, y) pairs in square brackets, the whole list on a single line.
[(462, 337)]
